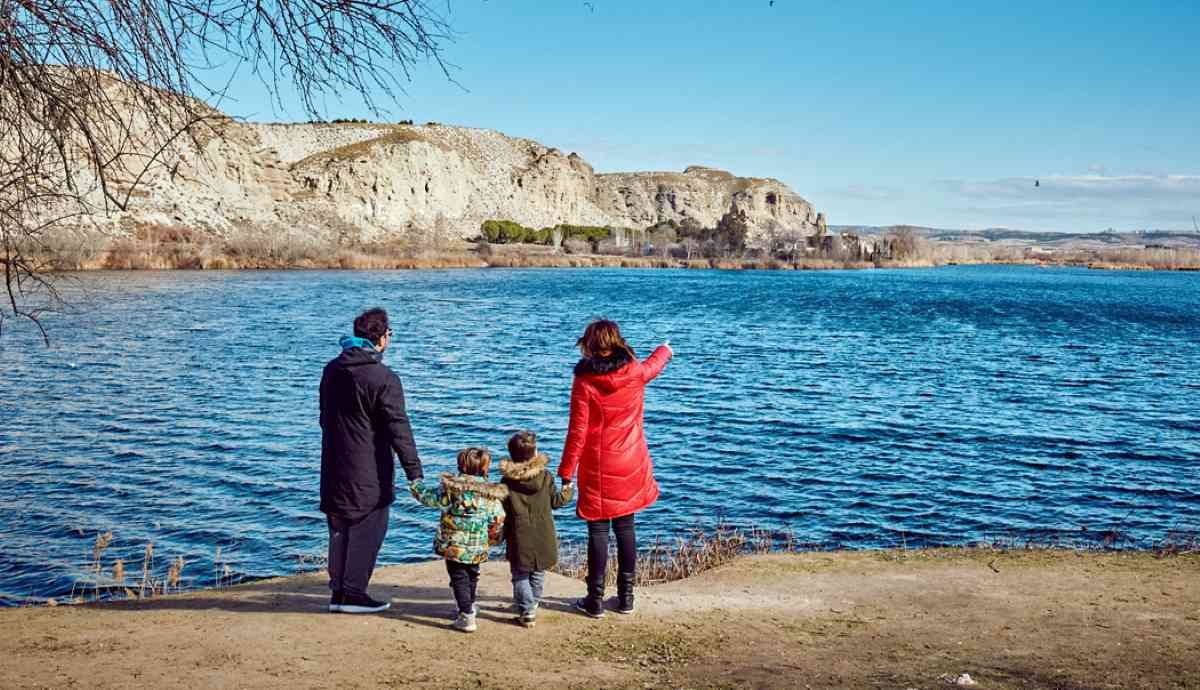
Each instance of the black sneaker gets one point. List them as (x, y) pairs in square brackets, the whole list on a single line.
[(335, 602), (589, 608), (625, 606), (361, 603)]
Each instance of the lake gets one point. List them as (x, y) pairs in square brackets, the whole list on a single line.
[(857, 409)]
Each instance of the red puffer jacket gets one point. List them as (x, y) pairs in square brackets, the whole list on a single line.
[(605, 439)]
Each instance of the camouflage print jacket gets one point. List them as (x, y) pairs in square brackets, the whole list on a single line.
[(472, 515)]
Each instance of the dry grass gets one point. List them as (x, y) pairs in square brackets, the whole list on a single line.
[(1130, 258), (98, 583), (700, 550), (222, 573), (147, 570), (1177, 542), (683, 557), (397, 135)]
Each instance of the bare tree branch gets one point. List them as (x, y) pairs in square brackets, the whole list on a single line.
[(95, 94)]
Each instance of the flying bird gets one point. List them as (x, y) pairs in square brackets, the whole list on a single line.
[(590, 6), (1037, 183)]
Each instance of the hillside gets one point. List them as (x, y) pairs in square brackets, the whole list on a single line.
[(1067, 240), (384, 182)]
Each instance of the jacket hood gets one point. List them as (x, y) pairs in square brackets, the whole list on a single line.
[(462, 483), (357, 356), (522, 471), (602, 365)]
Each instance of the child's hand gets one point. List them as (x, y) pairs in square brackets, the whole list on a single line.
[(427, 497)]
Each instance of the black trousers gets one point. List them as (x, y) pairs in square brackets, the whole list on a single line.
[(623, 527), (353, 548), (464, 578)]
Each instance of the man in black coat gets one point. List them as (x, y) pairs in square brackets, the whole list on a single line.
[(363, 421)]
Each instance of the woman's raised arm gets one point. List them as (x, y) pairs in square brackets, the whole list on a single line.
[(657, 361)]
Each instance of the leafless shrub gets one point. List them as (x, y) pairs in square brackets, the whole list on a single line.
[(484, 249), (609, 248), (576, 246), (96, 96)]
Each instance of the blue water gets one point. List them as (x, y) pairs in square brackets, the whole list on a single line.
[(859, 409)]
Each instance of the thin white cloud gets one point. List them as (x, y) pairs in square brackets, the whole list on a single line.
[(864, 192), (1166, 201), (1058, 188)]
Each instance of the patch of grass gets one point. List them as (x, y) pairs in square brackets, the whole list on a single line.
[(394, 136), (645, 645)]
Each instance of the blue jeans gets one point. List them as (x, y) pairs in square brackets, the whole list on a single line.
[(527, 589)]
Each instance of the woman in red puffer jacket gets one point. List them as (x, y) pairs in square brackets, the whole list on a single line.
[(607, 445)]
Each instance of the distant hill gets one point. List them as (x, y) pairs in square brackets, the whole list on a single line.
[(1164, 238), (359, 181)]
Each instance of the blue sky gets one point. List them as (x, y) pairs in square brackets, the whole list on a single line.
[(933, 113)]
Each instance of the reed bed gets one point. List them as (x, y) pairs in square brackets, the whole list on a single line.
[(101, 579)]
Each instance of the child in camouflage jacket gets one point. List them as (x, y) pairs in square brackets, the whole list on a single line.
[(472, 520)]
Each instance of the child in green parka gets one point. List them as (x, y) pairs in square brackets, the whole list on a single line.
[(532, 544), (472, 520)]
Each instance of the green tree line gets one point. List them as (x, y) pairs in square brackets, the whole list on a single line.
[(511, 232)]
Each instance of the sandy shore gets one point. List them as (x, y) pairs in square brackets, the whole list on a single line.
[(1029, 619)]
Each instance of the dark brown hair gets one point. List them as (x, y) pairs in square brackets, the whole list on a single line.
[(474, 461), (602, 338), (522, 446), (372, 324)]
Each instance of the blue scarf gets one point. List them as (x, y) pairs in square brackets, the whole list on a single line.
[(349, 342)]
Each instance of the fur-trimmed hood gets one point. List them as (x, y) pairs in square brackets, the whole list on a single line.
[(602, 365), (522, 471), (462, 483)]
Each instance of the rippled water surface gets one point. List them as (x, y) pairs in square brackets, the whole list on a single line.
[(857, 408)]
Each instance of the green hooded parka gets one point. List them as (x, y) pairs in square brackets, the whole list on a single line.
[(532, 543)]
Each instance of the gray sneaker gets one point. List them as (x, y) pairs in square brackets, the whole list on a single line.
[(465, 622), (474, 611)]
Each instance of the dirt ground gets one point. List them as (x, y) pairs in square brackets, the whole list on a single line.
[(1022, 619)]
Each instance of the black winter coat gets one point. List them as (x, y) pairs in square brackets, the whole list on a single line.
[(532, 543), (363, 421)]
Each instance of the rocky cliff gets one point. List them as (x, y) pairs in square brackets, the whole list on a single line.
[(372, 182)]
